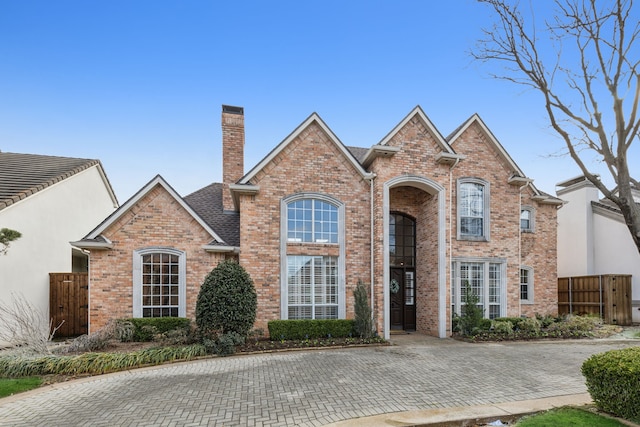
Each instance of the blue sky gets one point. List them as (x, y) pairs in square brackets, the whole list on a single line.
[(140, 84)]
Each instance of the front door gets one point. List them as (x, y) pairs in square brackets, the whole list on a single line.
[(403, 299)]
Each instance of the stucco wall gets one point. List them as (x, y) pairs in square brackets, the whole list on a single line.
[(48, 221)]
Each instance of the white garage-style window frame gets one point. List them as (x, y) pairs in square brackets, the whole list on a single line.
[(527, 219), (312, 284), (486, 278), (526, 285), (473, 207), (159, 282)]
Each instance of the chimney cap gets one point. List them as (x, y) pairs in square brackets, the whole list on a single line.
[(233, 110)]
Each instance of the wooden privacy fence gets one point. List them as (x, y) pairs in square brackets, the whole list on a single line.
[(607, 296), (69, 303)]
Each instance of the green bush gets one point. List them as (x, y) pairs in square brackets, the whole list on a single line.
[(363, 319), (530, 326), (502, 327), (575, 326), (310, 329), (227, 301), (613, 381), (147, 328)]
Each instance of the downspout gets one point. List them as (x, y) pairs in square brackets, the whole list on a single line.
[(371, 178), (451, 224), (520, 245)]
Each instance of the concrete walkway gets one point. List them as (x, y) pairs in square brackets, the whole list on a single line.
[(417, 381)]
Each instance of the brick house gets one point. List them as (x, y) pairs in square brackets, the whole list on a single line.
[(414, 217)]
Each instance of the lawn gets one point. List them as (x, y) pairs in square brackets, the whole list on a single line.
[(9, 386), (566, 417)]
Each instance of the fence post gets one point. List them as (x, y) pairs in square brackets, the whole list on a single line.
[(601, 302), (570, 297)]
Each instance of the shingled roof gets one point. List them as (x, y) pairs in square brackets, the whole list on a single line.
[(22, 175), (207, 203)]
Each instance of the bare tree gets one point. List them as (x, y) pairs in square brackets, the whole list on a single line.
[(584, 83), (24, 326)]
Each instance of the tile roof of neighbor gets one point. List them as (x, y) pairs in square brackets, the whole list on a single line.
[(207, 203), (22, 175)]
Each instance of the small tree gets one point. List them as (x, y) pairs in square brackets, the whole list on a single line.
[(472, 313), (363, 314), (7, 236), (227, 301)]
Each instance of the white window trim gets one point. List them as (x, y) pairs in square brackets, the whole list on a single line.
[(532, 221), (486, 220), (457, 284), (284, 292), (530, 285), (137, 278)]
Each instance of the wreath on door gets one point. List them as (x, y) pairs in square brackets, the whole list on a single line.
[(394, 286)]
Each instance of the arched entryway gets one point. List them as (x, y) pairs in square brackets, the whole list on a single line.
[(419, 300), (402, 264)]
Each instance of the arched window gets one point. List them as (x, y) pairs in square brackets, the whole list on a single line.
[(473, 209), (159, 283), (313, 253)]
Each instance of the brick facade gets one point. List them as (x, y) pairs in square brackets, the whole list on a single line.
[(410, 177)]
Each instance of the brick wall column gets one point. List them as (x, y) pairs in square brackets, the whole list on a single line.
[(232, 150)]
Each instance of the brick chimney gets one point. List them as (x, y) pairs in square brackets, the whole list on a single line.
[(232, 150)]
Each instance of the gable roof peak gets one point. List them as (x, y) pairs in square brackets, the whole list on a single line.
[(419, 112), (311, 119)]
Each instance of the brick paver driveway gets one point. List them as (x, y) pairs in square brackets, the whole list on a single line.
[(312, 387)]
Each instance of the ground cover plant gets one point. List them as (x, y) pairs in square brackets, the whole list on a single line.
[(534, 328)]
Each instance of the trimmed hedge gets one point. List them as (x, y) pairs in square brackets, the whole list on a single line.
[(613, 381), (147, 327), (310, 329)]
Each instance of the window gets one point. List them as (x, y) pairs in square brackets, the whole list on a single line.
[(312, 283), (473, 209), (312, 220), (159, 283), (526, 219), (526, 285), (402, 240), (486, 279)]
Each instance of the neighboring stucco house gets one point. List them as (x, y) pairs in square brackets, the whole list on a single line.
[(593, 238), (414, 217), (51, 201)]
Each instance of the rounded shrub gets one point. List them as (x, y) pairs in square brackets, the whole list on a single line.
[(613, 381), (227, 301)]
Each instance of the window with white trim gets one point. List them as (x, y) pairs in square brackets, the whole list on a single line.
[(526, 285), (473, 209), (312, 287), (486, 279), (312, 221), (159, 283), (527, 219)]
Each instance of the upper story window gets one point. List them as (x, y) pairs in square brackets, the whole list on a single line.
[(312, 221), (159, 283), (526, 219), (473, 209)]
